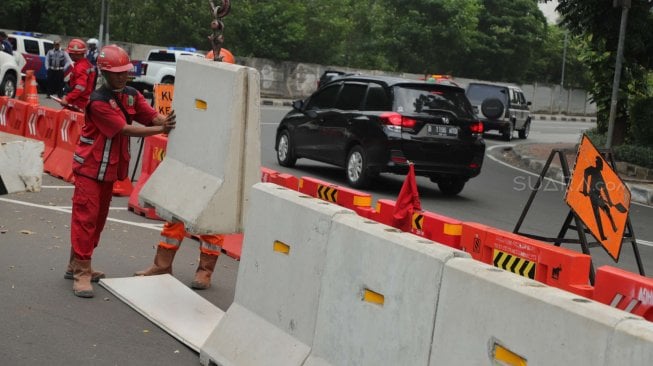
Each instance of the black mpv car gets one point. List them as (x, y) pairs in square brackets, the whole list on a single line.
[(374, 124)]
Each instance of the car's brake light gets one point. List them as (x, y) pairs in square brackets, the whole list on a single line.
[(396, 119), (476, 127)]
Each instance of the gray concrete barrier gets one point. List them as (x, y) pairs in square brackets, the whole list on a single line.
[(21, 164)]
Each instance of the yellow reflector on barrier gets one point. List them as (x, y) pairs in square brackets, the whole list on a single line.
[(364, 201), (453, 229), (200, 104), (508, 358), (373, 297), (281, 247)]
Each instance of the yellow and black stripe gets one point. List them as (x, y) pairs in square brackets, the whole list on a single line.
[(158, 154), (418, 221), (327, 193), (514, 264)]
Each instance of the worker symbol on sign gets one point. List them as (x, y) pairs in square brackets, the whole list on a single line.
[(596, 189)]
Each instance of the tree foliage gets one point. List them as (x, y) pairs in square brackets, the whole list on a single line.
[(501, 40)]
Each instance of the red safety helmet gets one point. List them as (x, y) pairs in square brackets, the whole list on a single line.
[(113, 59), (76, 46), (227, 56)]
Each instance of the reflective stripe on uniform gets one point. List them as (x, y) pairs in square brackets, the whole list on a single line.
[(86, 140), (80, 87), (208, 248), (78, 158), (105, 159)]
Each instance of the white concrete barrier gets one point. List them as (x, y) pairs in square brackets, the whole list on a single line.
[(213, 156), (488, 316), (21, 164), (272, 319), (379, 295)]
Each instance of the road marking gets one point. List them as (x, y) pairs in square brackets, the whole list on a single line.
[(57, 187), (156, 227)]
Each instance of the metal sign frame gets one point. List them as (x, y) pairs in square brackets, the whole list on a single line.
[(572, 220)]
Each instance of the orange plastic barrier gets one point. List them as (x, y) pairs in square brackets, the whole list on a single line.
[(384, 210), (12, 116), (439, 228), (285, 180), (154, 151), (233, 245), (624, 290), (60, 161), (554, 266), (42, 125), (345, 197), (267, 173)]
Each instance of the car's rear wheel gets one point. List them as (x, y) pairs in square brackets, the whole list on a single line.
[(8, 86), (451, 186), (508, 132), (523, 133), (358, 175), (168, 80), (285, 155)]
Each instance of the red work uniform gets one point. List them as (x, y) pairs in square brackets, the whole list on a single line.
[(82, 79), (173, 234), (101, 158)]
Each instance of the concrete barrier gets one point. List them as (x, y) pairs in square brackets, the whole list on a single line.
[(272, 319), (213, 156), (379, 295), (487, 316), (21, 165)]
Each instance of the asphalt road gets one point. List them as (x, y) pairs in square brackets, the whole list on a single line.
[(43, 322)]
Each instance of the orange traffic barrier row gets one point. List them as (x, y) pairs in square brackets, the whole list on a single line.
[(154, 151), (12, 116), (439, 228), (624, 290), (546, 263)]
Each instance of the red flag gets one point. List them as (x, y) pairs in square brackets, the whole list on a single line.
[(407, 202)]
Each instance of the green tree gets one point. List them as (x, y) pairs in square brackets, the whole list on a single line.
[(597, 22)]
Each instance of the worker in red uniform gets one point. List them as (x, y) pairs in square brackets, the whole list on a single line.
[(102, 157), (173, 234), (82, 76)]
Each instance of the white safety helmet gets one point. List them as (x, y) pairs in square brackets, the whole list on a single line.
[(92, 41)]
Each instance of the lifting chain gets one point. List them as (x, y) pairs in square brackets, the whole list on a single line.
[(217, 39)]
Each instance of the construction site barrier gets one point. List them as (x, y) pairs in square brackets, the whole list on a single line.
[(379, 296), (60, 161), (546, 263), (154, 150), (267, 174), (275, 324), (487, 316), (208, 194), (624, 290), (12, 116), (21, 165), (442, 229), (384, 210), (42, 125), (342, 196)]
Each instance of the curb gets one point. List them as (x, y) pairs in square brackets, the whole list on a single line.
[(276, 102), (639, 193), (563, 118)]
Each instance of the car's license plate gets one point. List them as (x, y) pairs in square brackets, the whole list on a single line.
[(441, 130)]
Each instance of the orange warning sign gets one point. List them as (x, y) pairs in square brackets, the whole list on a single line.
[(163, 94), (599, 197)]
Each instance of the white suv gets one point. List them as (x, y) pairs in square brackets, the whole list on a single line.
[(33, 48), (9, 74)]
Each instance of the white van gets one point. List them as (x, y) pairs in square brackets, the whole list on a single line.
[(33, 47)]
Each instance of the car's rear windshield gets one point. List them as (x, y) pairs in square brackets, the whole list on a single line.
[(431, 99), (481, 92)]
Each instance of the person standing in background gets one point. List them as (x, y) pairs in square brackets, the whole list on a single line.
[(5, 46), (82, 76), (56, 61), (91, 56)]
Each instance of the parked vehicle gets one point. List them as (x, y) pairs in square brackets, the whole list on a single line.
[(9, 74), (159, 68), (501, 107), (33, 48), (374, 124)]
